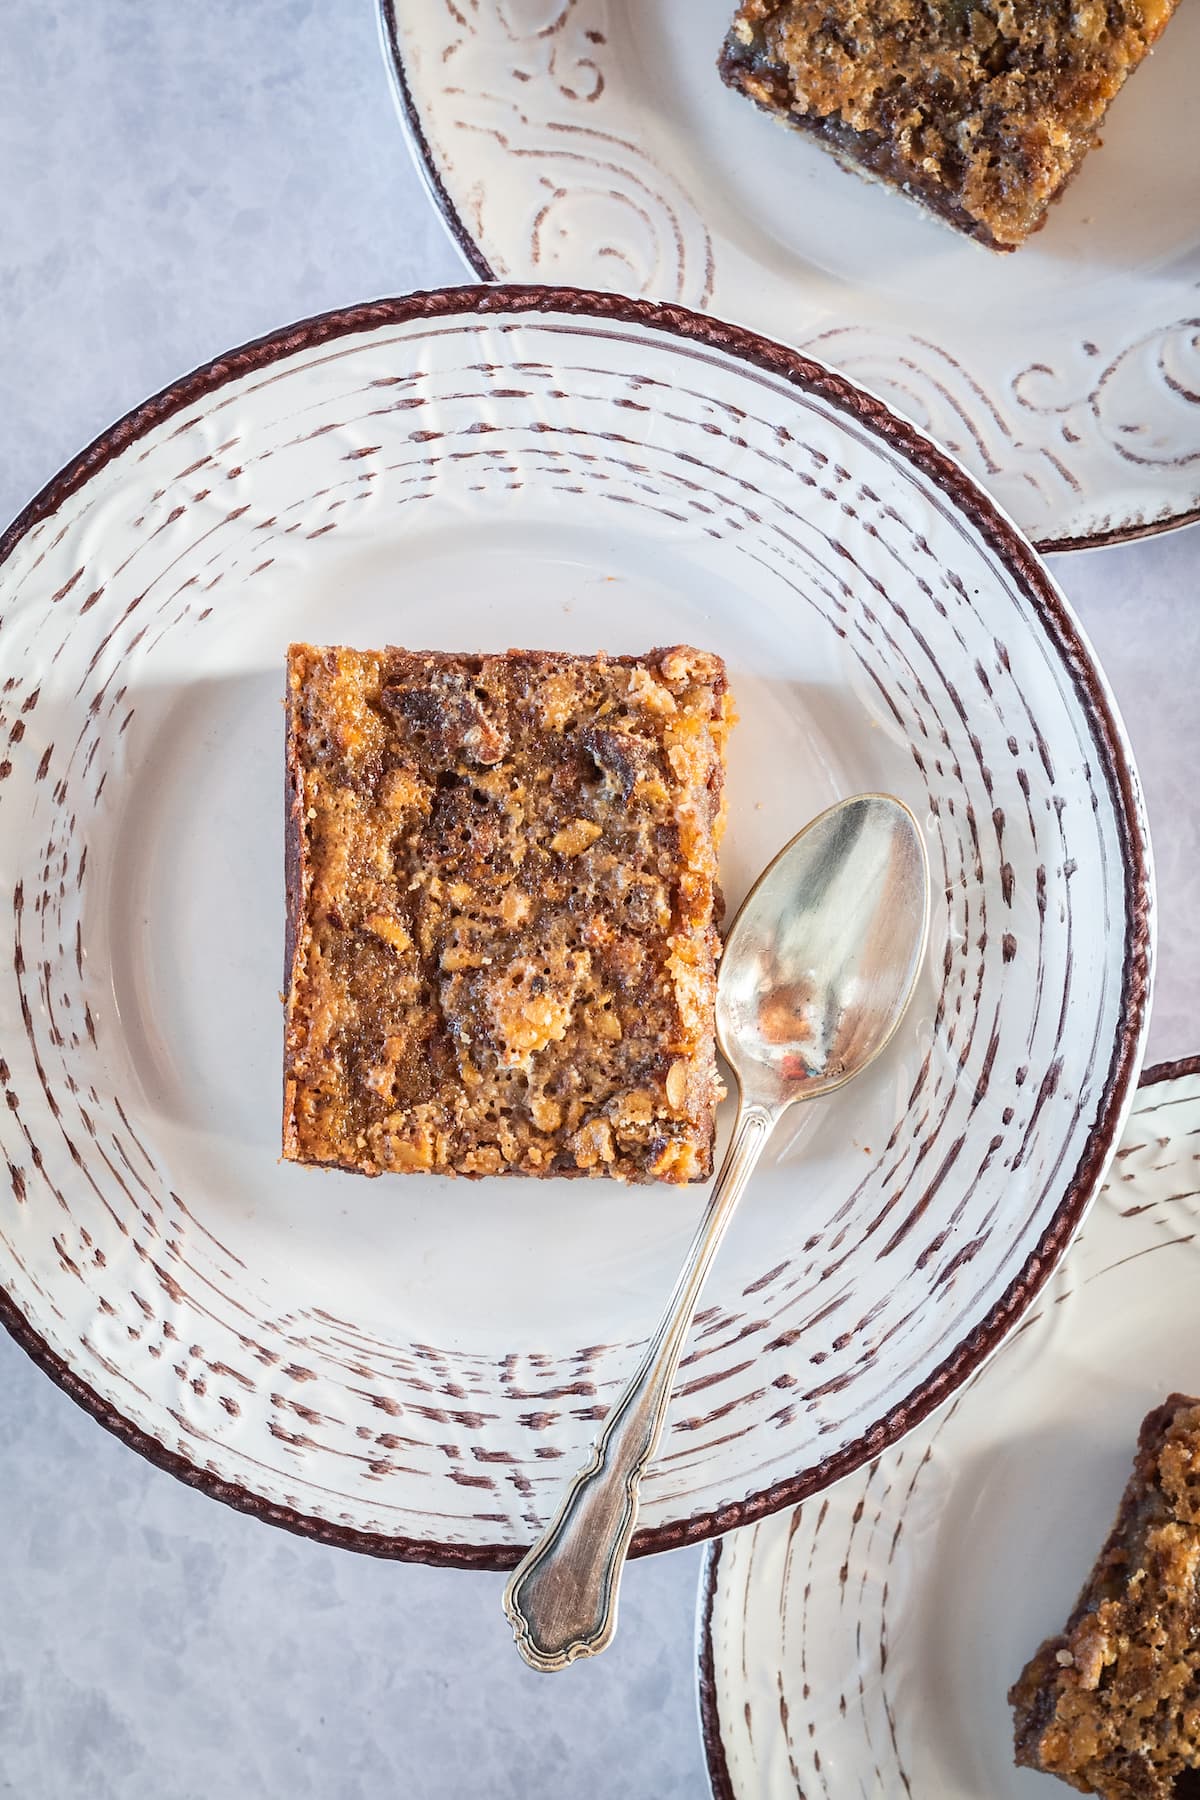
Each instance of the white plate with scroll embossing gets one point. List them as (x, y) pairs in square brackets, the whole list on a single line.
[(592, 141), (410, 1365), (864, 1645)]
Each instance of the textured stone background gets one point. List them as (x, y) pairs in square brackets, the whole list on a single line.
[(174, 180)]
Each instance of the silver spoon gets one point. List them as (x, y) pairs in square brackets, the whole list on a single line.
[(818, 968)]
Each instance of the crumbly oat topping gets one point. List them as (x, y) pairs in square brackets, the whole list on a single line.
[(504, 912), (984, 108)]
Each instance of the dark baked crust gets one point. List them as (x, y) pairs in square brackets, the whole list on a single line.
[(862, 152), (979, 110), (501, 902), (1111, 1704)]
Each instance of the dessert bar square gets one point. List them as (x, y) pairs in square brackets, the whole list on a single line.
[(980, 109), (1112, 1704), (501, 911)]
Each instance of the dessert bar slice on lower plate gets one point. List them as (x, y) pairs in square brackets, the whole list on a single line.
[(1111, 1705)]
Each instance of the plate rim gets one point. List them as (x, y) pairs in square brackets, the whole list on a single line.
[(719, 1779), (1067, 640), (474, 255)]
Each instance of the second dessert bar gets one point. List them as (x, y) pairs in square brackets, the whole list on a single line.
[(980, 109), (1112, 1704)]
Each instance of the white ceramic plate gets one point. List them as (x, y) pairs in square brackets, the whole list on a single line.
[(413, 1365), (864, 1644), (591, 141)]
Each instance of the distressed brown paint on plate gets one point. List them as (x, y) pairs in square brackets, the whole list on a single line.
[(407, 1366)]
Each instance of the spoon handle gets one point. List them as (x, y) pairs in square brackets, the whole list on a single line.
[(562, 1600)]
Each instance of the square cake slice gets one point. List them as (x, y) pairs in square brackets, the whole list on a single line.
[(501, 912), (982, 110), (1112, 1704)]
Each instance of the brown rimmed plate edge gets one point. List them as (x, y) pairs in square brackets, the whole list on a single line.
[(1061, 628)]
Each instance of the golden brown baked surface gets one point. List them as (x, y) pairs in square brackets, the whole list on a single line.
[(981, 109), (1112, 1705), (501, 911)]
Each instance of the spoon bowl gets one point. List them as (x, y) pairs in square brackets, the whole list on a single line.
[(821, 960)]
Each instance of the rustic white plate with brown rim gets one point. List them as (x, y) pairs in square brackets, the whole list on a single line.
[(864, 1644), (592, 141), (411, 1365)]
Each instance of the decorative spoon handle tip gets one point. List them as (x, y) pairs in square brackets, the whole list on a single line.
[(562, 1599)]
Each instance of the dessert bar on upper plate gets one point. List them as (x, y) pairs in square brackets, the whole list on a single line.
[(980, 109)]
